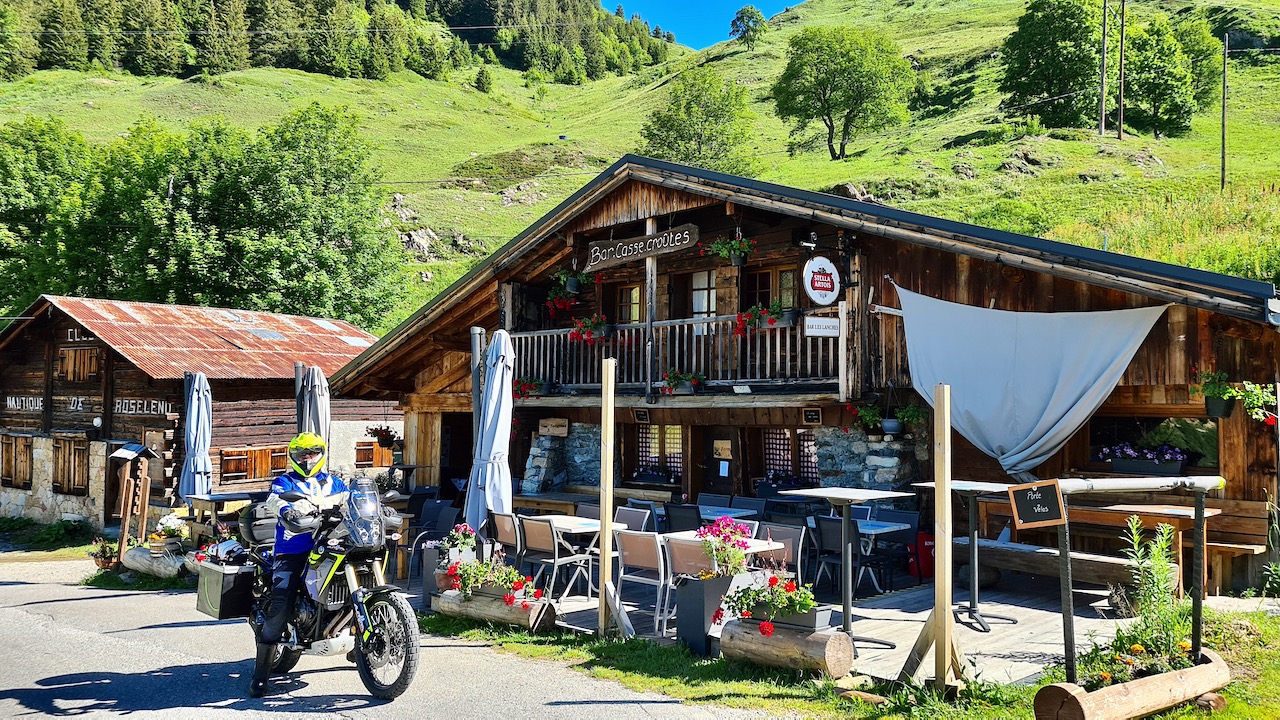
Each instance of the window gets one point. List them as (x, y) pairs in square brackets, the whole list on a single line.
[(71, 466), (15, 461), (78, 364), (762, 287), (702, 298), (630, 304), (661, 446), (790, 453), (254, 463), (370, 454)]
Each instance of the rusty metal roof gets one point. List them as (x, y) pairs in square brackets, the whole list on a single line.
[(165, 340)]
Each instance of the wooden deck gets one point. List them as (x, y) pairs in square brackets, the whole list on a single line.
[(1009, 653)]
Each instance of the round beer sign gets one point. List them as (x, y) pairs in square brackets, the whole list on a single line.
[(821, 280)]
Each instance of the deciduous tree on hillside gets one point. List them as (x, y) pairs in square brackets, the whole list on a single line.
[(1052, 60), (748, 26), (1160, 81), (704, 123), (850, 79), (1204, 53)]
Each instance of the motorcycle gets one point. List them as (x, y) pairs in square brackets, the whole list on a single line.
[(347, 605)]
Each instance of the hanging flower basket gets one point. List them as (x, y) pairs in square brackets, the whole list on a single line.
[(1219, 407), (738, 260)]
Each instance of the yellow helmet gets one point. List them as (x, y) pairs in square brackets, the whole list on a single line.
[(307, 454)]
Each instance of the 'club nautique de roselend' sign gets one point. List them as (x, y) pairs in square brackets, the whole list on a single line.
[(607, 253)]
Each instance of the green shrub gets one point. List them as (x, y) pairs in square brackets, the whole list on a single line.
[(16, 525), (64, 533)]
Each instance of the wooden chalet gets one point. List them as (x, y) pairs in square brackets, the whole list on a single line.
[(779, 400), (82, 378)]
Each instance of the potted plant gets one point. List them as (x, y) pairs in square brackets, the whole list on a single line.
[(867, 417), (1125, 458), (570, 282), (911, 415), (1219, 394), (654, 474), (757, 316), (385, 436), (105, 553), (699, 598), (558, 301), (736, 249), (525, 388), (170, 531), (675, 382), (591, 330), (493, 577), (1257, 399), (772, 599)]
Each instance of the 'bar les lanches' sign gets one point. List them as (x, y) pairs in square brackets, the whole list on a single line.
[(607, 253), (1037, 504)]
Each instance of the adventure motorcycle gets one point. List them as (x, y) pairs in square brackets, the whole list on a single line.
[(348, 607)]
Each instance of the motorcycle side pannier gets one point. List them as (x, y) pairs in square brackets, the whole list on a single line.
[(225, 591)]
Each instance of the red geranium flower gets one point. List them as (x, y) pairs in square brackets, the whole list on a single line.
[(718, 616), (537, 594), (456, 584), (528, 579), (1271, 420), (773, 321), (453, 569), (773, 581), (524, 604), (790, 586), (746, 613), (509, 599), (766, 628), (517, 585)]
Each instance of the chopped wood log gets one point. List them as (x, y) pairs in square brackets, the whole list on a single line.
[(826, 651), (1136, 698), (539, 618), (855, 682), (1212, 702), (866, 697)]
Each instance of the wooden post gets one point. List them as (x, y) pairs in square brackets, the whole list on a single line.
[(608, 377), (844, 351), (944, 622), (1226, 43), (1064, 586), (1197, 577), (651, 308)]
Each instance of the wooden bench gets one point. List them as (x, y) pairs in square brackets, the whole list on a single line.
[(1219, 559), (1085, 567), (621, 494)]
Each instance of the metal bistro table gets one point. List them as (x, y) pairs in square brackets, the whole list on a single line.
[(970, 490), (844, 498), (711, 513)]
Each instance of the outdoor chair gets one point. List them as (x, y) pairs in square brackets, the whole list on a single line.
[(791, 556), (746, 503), (546, 547), (588, 510), (903, 544), (652, 508), (786, 518), (830, 552), (683, 517), (440, 516), (642, 560), (714, 500), (634, 518), (687, 557), (506, 532)]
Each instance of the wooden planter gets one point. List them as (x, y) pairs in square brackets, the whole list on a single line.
[(159, 548), (539, 618), (1136, 698), (105, 563), (829, 652)]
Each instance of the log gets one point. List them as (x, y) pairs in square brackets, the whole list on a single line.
[(1136, 698), (539, 618), (1211, 702), (827, 651)]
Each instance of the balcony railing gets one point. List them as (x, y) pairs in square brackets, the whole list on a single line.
[(767, 355)]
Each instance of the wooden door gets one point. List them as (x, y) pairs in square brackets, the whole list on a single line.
[(719, 473)]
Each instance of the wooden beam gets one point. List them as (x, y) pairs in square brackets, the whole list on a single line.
[(438, 402)]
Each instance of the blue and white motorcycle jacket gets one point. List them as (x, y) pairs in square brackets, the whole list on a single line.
[(322, 491)]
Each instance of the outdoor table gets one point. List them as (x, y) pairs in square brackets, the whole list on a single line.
[(711, 513), (560, 503), (970, 490), (844, 498), (205, 509), (754, 545), (406, 473)]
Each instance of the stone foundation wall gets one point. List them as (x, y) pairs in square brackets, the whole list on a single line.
[(849, 458), (42, 503), (555, 461)]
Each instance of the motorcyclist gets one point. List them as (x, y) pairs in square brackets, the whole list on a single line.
[(306, 475)]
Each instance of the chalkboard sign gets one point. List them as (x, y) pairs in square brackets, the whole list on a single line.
[(1037, 504)]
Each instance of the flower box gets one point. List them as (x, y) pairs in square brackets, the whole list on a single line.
[(684, 388), (539, 617), (1172, 468), (817, 618), (1136, 698), (698, 601)]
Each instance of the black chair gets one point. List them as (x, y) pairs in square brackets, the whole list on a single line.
[(830, 552), (714, 499), (902, 544), (745, 503), (439, 517), (683, 517)]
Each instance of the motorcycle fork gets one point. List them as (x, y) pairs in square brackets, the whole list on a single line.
[(360, 595)]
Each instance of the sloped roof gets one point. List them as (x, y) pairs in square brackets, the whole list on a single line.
[(166, 340), (1234, 296)]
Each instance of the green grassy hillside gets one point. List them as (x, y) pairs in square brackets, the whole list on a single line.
[(451, 151)]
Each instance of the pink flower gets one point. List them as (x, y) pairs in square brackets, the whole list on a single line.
[(766, 628)]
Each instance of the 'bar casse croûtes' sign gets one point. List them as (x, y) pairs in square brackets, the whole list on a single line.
[(1037, 504), (607, 253)]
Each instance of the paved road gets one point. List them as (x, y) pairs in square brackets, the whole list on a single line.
[(87, 652)]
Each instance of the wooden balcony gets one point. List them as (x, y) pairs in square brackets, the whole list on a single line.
[(767, 356)]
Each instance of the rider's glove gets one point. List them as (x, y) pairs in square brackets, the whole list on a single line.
[(293, 515)]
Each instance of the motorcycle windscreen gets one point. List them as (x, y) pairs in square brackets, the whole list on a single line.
[(364, 515)]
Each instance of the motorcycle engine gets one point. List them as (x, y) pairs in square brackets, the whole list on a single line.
[(305, 614)]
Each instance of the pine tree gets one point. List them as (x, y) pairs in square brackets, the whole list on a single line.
[(153, 43), (331, 50), (484, 81), (388, 38), (278, 42), (224, 44), (102, 26), (19, 49), (62, 41)]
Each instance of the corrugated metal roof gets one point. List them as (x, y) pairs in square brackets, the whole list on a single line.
[(166, 340)]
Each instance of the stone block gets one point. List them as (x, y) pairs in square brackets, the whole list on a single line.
[(879, 461)]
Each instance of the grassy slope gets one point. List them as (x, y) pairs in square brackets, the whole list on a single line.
[(423, 130)]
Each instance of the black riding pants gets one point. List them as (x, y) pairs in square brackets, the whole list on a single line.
[(286, 577)]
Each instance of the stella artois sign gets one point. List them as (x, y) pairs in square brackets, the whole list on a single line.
[(821, 281)]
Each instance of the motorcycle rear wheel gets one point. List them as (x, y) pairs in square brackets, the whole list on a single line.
[(286, 658), (388, 660)]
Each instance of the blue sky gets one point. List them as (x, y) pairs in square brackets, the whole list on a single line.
[(696, 23)]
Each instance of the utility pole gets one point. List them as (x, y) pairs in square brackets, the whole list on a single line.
[(1102, 76), (1226, 40), (1120, 106)]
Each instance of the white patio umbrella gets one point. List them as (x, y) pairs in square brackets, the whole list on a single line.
[(313, 404), (197, 471), (489, 487)]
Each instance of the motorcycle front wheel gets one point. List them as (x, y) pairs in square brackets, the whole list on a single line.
[(388, 659)]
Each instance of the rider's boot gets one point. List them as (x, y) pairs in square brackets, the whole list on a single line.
[(261, 669)]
